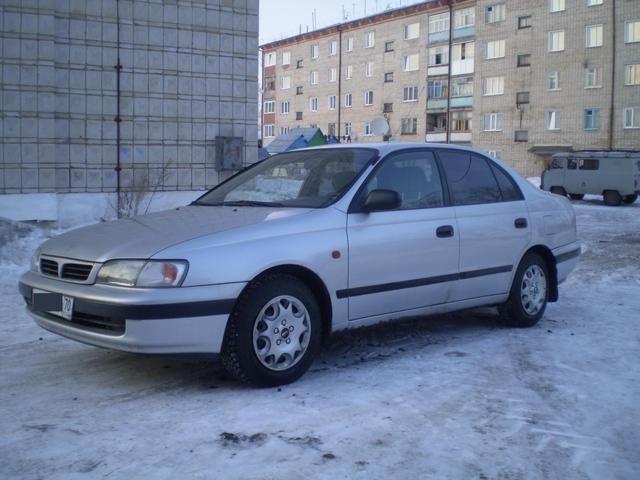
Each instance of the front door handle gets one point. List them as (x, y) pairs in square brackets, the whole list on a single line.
[(520, 223), (444, 231)]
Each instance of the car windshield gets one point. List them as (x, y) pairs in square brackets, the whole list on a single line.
[(307, 178)]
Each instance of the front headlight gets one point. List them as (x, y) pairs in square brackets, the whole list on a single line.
[(35, 261), (141, 273)]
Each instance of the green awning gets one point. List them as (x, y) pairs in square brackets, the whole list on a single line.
[(550, 149)]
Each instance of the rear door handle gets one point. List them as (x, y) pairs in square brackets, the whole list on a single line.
[(520, 223), (444, 231)]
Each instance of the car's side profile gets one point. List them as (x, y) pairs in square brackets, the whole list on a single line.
[(264, 266)]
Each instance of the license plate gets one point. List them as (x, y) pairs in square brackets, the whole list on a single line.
[(67, 307)]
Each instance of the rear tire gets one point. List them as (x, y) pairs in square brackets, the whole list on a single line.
[(630, 198), (529, 293), (612, 198), (273, 333), (576, 196), (559, 191)]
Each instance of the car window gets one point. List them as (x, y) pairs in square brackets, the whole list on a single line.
[(470, 178), (508, 187), (573, 164), (589, 164), (556, 163), (414, 175)]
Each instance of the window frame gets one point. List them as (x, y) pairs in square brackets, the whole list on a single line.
[(282, 109), (635, 118), (406, 62), (561, 6), (587, 35), (502, 48), (628, 24), (350, 97), (631, 74), (407, 30), (492, 17), (550, 41), (368, 98)]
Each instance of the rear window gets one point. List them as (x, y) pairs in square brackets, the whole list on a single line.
[(508, 188), (470, 178)]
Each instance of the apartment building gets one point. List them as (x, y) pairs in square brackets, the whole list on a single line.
[(539, 77)]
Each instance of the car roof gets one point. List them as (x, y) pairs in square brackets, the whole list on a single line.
[(385, 148)]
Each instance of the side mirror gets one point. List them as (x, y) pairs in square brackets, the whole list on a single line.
[(380, 200)]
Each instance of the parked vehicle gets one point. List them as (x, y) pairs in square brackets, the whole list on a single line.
[(263, 267), (614, 175)]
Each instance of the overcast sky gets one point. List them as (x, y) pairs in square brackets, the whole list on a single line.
[(284, 18)]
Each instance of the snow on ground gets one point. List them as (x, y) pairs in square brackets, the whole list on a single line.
[(455, 396)]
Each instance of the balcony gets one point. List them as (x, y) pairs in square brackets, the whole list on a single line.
[(461, 137), (464, 32), (439, 36), (436, 103), (458, 102), (438, 137), (459, 67), (439, 70)]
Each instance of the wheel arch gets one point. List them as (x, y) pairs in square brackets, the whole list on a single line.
[(548, 257), (311, 280)]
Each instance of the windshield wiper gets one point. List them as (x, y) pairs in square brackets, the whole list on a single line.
[(239, 203)]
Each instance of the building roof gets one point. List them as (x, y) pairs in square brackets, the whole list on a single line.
[(361, 22)]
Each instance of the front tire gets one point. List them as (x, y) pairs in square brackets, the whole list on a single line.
[(612, 198), (274, 332), (529, 293)]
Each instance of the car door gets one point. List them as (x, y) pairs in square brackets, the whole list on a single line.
[(493, 223), (402, 259)]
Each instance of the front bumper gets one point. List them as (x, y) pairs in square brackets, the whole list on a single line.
[(142, 320)]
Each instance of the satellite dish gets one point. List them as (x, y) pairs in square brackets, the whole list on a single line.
[(380, 126)]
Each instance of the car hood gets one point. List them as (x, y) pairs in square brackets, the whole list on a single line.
[(146, 235)]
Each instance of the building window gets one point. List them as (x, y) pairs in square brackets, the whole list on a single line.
[(348, 100), (495, 49), (409, 126), (269, 59), (348, 129), (632, 74), (436, 122), (388, 46), (522, 98), (298, 115), (593, 36), (553, 81), (284, 130), (368, 131), (524, 60), (461, 121), (269, 131), (553, 120), (299, 64), (631, 117), (314, 51), (593, 3), (285, 82), (524, 22), (492, 122), (286, 58), (368, 97), (465, 17), (632, 31), (333, 47), (313, 77), (521, 136), (387, 108), (410, 94), (592, 77), (369, 39), (438, 56), (331, 129), (388, 77), (333, 74), (299, 90), (591, 118), (462, 58), (462, 87), (332, 102), (437, 88), (412, 31), (439, 23), (269, 106), (313, 104), (368, 69), (493, 86), (556, 41), (284, 108), (556, 6), (349, 47), (494, 13), (270, 83), (349, 72), (411, 62)]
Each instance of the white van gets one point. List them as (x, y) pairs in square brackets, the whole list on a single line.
[(613, 174)]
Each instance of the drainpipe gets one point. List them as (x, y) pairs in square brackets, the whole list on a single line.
[(612, 117), (339, 99), (118, 119), (449, 74)]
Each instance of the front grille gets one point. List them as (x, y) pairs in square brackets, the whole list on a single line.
[(76, 271), (49, 267), (92, 323)]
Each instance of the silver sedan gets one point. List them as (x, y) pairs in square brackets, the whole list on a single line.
[(265, 266)]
